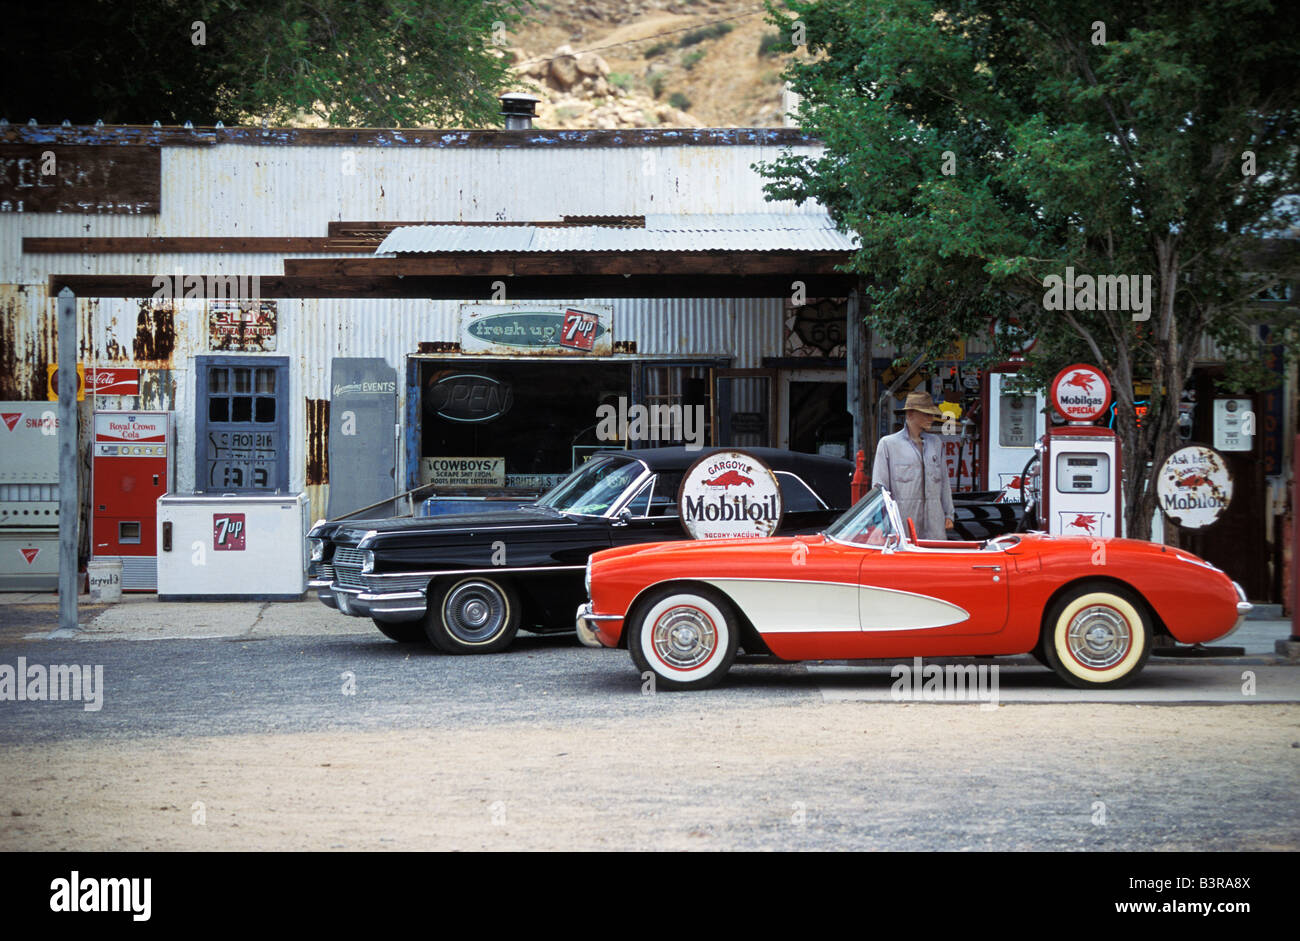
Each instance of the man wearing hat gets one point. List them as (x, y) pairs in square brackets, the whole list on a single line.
[(910, 466)]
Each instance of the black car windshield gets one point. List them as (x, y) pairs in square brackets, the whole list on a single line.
[(593, 488), (866, 524)]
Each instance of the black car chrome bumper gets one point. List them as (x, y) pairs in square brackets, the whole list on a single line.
[(395, 606)]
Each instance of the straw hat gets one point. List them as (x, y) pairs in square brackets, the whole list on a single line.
[(920, 401)]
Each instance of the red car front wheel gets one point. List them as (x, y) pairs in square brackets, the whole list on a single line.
[(685, 636)]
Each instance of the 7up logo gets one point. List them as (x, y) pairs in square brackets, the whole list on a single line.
[(228, 532), (579, 332)]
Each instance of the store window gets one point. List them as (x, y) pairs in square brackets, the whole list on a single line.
[(241, 439), (526, 424)]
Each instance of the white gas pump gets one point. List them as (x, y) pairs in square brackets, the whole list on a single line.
[(1080, 469), (1013, 423)]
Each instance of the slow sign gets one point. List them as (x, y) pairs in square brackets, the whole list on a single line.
[(1194, 487), (729, 494)]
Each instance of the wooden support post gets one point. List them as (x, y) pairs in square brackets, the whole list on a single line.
[(69, 493)]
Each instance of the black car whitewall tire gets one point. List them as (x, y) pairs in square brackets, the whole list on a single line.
[(404, 632), (1097, 635), (685, 636), (472, 615)]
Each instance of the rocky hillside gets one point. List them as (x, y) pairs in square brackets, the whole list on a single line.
[(652, 63)]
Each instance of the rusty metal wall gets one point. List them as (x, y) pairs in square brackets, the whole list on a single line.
[(248, 189)]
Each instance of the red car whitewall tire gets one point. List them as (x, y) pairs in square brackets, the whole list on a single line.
[(685, 636), (1097, 635)]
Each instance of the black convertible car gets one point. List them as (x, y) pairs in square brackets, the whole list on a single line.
[(467, 583)]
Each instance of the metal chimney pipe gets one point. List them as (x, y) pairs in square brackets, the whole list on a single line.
[(519, 110)]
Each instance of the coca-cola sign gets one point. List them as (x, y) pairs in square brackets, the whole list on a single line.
[(730, 494), (1081, 393)]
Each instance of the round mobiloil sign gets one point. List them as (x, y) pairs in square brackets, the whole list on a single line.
[(1194, 487), (1081, 393), (730, 494)]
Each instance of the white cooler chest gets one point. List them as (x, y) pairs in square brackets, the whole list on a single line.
[(232, 548)]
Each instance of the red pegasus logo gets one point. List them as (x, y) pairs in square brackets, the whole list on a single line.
[(1081, 380), (1192, 480), (730, 479), (30, 554), (1085, 522), (11, 419)]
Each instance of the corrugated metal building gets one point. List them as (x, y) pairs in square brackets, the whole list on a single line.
[(382, 258)]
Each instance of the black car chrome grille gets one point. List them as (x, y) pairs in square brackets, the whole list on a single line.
[(349, 576), (346, 556)]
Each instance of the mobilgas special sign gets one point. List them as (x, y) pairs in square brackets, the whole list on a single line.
[(1194, 487), (730, 494), (537, 329), (1081, 393)]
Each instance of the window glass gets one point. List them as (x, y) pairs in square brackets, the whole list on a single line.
[(218, 382), (241, 408), (796, 496), (867, 524), (219, 410), (593, 488), (640, 504), (243, 380), (265, 382), (265, 409)]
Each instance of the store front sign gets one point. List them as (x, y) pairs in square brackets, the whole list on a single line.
[(1194, 487), (463, 471), (536, 330)]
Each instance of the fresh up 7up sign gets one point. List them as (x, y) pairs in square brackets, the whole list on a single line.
[(730, 494)]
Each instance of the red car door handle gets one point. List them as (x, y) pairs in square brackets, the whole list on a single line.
[(996, 568)]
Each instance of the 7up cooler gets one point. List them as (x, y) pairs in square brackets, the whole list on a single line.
[(232, 547)]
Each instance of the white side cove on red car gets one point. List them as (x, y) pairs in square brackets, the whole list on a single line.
[(782, 605)]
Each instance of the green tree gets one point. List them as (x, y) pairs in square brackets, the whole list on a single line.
[(352, 63), (979, 147)]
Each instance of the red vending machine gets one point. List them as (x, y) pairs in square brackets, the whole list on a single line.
[(132, 468)]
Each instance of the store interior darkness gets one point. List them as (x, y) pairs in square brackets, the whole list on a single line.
[(545, 410)]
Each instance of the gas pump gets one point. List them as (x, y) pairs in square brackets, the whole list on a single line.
[(1080, 461), (133, 462), (1013, 421)]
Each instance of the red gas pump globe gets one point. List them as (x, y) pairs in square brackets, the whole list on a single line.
[(1081, 393)]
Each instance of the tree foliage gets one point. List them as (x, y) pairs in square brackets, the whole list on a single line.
[(352, 63), (979, 147)]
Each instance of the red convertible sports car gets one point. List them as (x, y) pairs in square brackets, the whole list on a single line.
[(867, 588)]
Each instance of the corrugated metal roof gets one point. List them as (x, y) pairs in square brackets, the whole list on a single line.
[(744, 232)]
